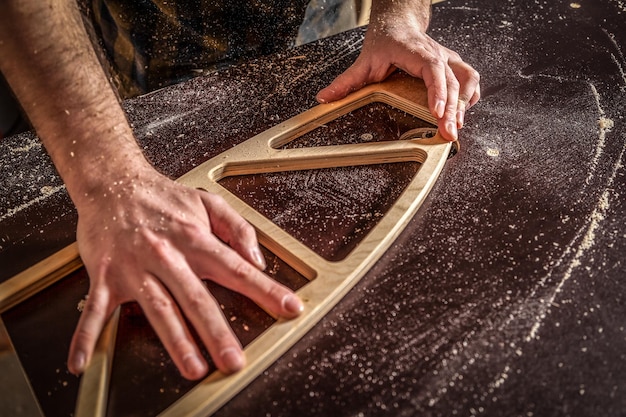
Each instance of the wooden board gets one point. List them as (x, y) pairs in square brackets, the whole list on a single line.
[(329, 280)]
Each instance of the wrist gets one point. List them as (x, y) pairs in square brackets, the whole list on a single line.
[(107, 178), (94, 156)]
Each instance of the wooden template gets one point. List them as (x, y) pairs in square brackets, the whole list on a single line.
[(329, 281)]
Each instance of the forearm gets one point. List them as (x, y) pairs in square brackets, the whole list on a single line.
[(141, 236), (388, 13), (48, 59)]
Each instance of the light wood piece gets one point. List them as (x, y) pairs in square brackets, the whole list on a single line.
[(329, 281)]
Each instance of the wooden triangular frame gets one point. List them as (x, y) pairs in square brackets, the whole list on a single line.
[(328, 281)]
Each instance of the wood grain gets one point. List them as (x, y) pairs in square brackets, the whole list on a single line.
[(329, 281)]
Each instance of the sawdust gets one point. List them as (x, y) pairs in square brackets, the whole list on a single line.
[(30, 145), (81, 304), (604, 126), (46, 192), (493, 152)]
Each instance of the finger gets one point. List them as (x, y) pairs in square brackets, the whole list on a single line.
[(362, 72), (469, 91), (469, 80), (168, 323), (92, 320), (204, 314), (475, 96), (460, 113), (233, 229), (221, 264), (448, 123), (434, 77)]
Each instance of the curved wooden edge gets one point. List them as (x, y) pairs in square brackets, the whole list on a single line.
[(20, 397), (330, 280), (41, 275), (333, 280)]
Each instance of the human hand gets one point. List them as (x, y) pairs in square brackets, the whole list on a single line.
[(453, 85), (149, 239)]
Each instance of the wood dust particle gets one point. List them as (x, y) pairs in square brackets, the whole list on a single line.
[(81, 305), (605, 124)]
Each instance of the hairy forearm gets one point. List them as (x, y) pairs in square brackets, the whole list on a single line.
[(387, 13), (48, 59)]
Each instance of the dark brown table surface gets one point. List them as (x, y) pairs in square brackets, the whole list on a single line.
[(505, 295)]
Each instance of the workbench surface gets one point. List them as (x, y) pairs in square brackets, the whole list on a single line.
[(505, 295)]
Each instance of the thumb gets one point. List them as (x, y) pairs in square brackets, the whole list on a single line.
[(96, 311), (355, 77)]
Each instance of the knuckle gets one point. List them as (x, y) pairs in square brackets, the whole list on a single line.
[(196, 301), (83, 337), (242, 271), (274, 292), (222, 336), (215, 202), (244, 229), (474, 76), (471, 77), (453, 84), (161, 305), (195, 234), (434, 61), (454, 56), (376, 73), (160, 248), (180, 347), (94, 308)]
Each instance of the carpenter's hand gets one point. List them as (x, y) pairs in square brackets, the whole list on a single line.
[(149, 239), (453, 85)]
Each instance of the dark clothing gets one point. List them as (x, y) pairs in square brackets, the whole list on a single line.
[(153, 43)]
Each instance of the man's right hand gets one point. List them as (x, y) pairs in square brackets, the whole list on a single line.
[(141, 235), (148, 239)]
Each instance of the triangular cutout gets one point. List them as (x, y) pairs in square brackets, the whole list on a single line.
[(329, 210), (373, 122)]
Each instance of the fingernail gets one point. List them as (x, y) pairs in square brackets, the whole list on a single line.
[(79, 363), (193, 365), (460, 116), (451, 127), (440, 107), (233, 359), (258, 258), (292, 304)]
